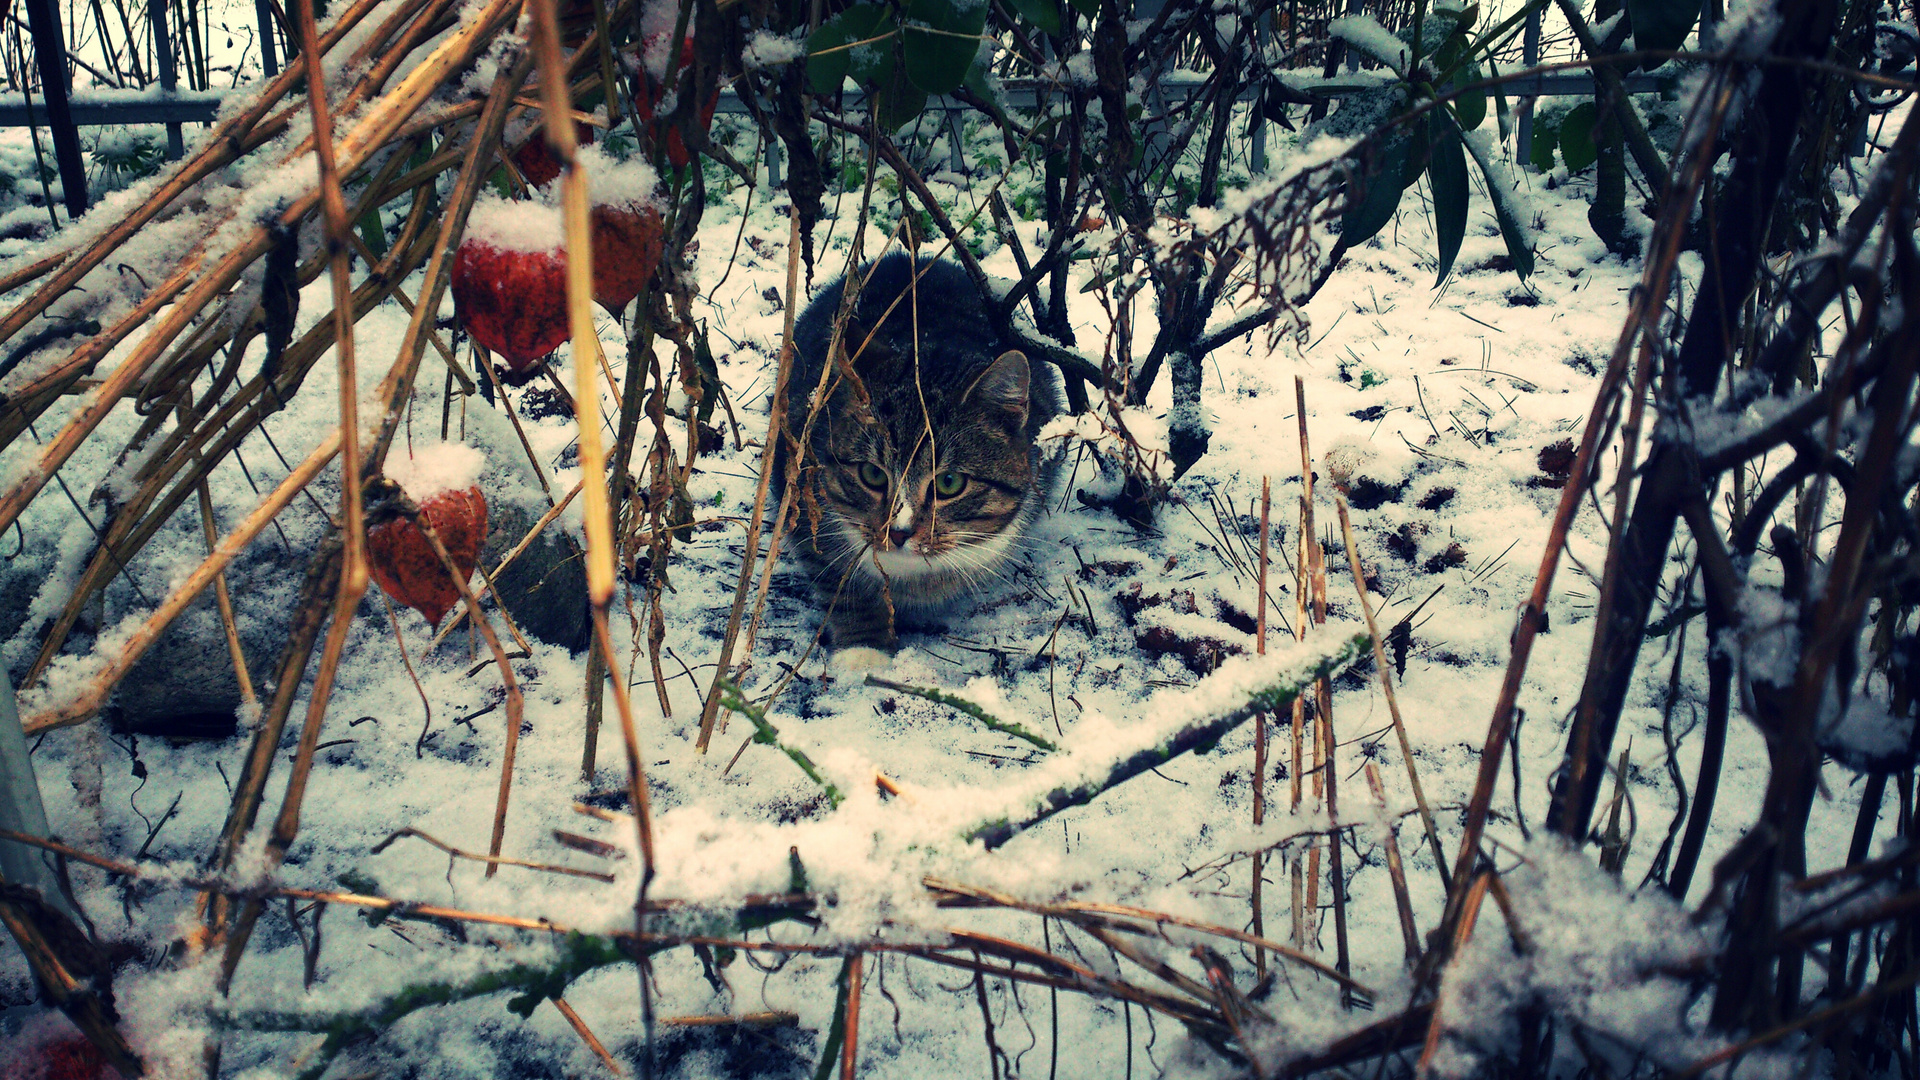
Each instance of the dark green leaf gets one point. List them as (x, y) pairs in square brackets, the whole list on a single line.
[(826, 70), (796, 872), (1379, 175), (1661, 24), (830, 60), (372, 233), (1546, 136), (1089, 8), (1447, 176), (1511, 230), (937, 61), (980, 80), (1576, 137), (873, 60), (1500, 101), (1044, 14), (896, 102), (1470, 108), (939, 52), (836, 1038)]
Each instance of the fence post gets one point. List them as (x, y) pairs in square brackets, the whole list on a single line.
[(1255, 120), (50, 56), (1523, 109), (269, 61), (169, 77)]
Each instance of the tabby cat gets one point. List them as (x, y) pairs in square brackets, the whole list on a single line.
[(920, 474)]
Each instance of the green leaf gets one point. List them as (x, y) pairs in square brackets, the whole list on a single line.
[(1469, 108), (1500, 102), (980, 80), (1380, 196), (837, 1030), (827, 70), (1044, 14), (1546, 136), (1089, 8), (372, 233), (1576, 137), (830, 60), (1447, 176), (939, 53), (1511, 230), (896, 102), (1661, 24), (937, 61)]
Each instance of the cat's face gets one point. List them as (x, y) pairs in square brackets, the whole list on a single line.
[(924, 480)]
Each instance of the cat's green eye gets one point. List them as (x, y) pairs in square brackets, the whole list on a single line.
[(949, 484), (873, 476)]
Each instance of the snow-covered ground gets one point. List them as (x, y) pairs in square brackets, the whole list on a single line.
[(1431, 408)]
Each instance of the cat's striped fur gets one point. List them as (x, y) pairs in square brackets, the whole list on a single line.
[(920, 473)]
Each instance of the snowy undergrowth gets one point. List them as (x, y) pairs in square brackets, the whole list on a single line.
[(1430, 409)]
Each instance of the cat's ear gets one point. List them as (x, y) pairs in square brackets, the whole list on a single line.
[(1004, 386)]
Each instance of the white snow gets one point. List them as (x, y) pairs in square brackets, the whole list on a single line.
[(432, 469), (516, 226)]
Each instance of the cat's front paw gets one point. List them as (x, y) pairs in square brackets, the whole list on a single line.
[(858, 660)]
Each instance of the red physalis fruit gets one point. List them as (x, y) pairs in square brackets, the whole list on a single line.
[(626, 249), (510, 280), (402, 561), (535, 158), (647, 91)]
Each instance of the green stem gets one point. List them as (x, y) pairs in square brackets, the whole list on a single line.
[(1004, 727), (766, 734), (837, 1031), (1275, 697), (579, 954)]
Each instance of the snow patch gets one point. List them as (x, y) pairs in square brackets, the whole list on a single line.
[(434, 469)]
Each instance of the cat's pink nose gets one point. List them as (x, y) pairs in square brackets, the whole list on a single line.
[(899, 537)]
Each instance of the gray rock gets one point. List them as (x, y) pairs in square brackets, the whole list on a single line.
[(545, 590)]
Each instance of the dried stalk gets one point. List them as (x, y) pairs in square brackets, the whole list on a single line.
[(776, 413), (1393, 702), (379, 123), (353, 567), (197, 451), (225, 601), (1470, 901), (88, 701), (850, 1040), (1396, 872), (491, 860), (1075, 909), (516, 706), (586, 1035), (1260, 739), (507, 560), (217, 151)]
